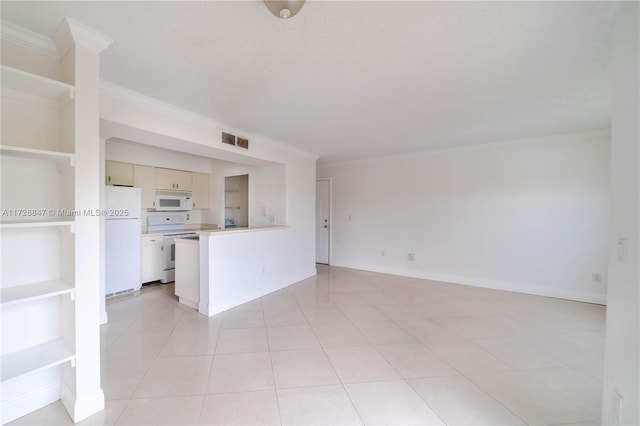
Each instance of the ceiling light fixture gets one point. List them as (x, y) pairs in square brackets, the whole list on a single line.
[(284, 9)]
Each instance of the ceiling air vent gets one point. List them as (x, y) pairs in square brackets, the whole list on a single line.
[(230, 139)]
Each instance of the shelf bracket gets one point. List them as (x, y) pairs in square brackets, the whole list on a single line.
[(67, 97), (73, 362), (72, 295)]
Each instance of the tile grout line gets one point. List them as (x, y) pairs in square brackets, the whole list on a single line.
[(341, 383)]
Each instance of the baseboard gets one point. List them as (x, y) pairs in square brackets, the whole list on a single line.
[(28, 402), (578, 296), (211, 310), (81, 408)]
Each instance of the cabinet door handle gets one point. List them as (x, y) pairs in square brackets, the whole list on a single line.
[(153, 241), (161, 248), (154, 204), (108, 178), (177, 185)]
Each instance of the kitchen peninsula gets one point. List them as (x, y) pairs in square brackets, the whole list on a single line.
[(232, 267)]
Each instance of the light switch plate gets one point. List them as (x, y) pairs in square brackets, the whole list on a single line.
[(622, 250)]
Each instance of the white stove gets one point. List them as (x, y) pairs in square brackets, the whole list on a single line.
[(171, 226)]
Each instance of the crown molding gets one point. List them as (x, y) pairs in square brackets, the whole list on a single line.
[(119, 92), (594, 134), (111, 89), (27, 38), (73, 32)]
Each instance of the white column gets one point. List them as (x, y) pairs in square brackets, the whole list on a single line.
[(621, 389), (80, 47)]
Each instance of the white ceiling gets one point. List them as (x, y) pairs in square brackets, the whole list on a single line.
[(360, 79)]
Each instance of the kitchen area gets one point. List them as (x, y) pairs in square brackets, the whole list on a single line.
[(163, 206)]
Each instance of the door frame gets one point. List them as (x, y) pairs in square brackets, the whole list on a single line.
[(330, 180)]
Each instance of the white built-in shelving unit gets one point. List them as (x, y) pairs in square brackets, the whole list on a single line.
[(38, 290), (42, 281)]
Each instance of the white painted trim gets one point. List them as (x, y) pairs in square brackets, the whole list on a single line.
[(221, 307), (80, 409), (121, 93), (29, 402), (330, 216), (72, 32), (578, 296), (590, 134), (28, 39)]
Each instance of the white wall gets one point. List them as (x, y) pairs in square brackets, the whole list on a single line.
[(244, 266), (528, 216), (129, 116), (267, 188), (622, 356)]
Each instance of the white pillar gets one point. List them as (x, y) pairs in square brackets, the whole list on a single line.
[(621, 389), (80, 47)]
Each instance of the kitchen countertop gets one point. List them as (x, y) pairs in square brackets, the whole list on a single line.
[(187, 227), (215, 232), (193, 239)]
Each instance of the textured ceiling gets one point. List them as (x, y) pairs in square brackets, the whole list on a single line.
[(359, 79)]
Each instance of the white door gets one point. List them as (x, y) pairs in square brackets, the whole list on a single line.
[(322, 221)]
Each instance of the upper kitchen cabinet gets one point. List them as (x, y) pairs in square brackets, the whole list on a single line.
[(144, 177), (201, 195), (173, 180), (117, 173)]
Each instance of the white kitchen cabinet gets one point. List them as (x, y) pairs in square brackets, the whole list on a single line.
[(50, 340), (201, 191), (118, 173), (144, 177), (152, 255), (173, 180), (187, 285)]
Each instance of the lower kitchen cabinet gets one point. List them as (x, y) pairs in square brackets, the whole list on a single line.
[(187, 286), (152, 255)]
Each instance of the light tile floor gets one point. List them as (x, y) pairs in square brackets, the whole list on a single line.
[(351, 347)]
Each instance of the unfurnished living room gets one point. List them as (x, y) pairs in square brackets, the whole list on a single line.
[(320, 212)]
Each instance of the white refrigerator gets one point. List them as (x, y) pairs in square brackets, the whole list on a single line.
[(123, 238)]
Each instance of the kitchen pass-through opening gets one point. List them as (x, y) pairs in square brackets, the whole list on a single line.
[(236, 201)]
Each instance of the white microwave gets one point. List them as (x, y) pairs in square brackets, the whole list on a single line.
[(173, 201)]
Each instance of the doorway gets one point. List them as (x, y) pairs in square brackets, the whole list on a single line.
[(236, 201), (323, 220)]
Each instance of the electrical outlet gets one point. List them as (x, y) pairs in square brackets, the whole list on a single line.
[(382, 253), (411, 257), (596, 277), (272, 219)]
